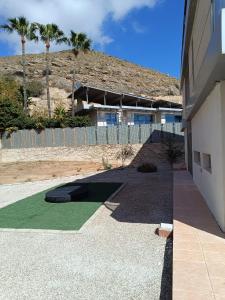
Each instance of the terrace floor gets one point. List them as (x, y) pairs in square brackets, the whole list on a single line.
[(116, 255), (198, 247)]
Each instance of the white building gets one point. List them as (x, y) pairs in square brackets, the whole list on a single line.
[(203, 87), (113, 108)]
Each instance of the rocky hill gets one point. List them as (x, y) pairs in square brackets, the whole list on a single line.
[(94, 69)]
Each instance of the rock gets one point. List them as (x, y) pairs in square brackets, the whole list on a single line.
[(95, 69)]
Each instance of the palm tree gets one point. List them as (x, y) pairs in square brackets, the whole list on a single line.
[(79, 43), (50, 33), (26, 31)]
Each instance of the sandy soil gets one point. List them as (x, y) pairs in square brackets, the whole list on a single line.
[(33, 171)]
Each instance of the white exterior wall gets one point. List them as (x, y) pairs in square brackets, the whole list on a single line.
[(223, 30), (208, 129)]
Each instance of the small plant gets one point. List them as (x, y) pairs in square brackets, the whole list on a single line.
[(105, 163), (10, 130), (35, 88), (78, 121), (60, 113), (173, 150), (125, 153), (147, 168)]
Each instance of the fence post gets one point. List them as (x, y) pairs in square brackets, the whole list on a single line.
[(107, 135), (161, 133), (139, 134), (96, 134), (173, 129), (128, 134), (0, 140), (150, 133)]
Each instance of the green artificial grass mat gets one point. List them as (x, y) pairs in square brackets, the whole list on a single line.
[(35, 213)]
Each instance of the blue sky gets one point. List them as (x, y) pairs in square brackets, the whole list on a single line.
[(157, 44), (146, 32)]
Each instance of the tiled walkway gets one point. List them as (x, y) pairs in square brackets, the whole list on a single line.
[(199, 245)]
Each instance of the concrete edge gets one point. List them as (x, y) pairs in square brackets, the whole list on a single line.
[(101, 208), (111, 197)]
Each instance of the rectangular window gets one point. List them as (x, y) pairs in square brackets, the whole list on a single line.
[(173, 118), (142, 119), (213, 14), (206, 161), (111, 118), (197, 157)]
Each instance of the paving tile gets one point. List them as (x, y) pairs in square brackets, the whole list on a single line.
[(212, 257), (199, 246), (191, 276), (216, 247), (218, 284), (188, 255), (192, 295), (216, 269), (187, 245), (219, 296)]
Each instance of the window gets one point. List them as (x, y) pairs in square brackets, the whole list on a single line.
[(111, 118), (173, 118), (206, 161), (142, 119), (197, 157), (213, 14)]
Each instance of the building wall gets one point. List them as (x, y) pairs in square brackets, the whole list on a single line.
[(208, 127), (223, 31), (128, 116), (203, 59)]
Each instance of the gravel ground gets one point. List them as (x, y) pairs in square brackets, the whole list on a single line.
[(115, 256)]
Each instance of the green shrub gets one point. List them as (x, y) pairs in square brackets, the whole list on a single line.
[(105, 163), (78, 121), (10, 89), (125, 153), (173, 150), (147, 168), (60, 113), (35, 88), (11, 114)]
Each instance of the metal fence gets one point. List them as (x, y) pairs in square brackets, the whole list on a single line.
[(74, 137)]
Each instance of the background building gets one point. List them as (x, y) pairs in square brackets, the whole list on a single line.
[(113, 108)]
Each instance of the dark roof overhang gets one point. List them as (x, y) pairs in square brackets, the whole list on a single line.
[(98, 95)]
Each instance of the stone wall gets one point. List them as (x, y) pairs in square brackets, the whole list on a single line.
[(142, 153)]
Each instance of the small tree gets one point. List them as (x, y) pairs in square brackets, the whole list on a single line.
[(173, 150), (26, 31), (50, 33), (79, 43), (125, 153)]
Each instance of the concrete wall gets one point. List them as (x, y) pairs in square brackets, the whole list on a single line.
[(208, 127)]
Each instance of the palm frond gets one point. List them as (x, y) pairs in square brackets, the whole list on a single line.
[(61, 40), (6, 28), (13, 22)]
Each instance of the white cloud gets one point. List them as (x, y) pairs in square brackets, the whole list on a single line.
[(138, 28), (80, 15)]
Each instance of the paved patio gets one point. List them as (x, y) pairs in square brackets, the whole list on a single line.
[(199, 245), (115, 256)]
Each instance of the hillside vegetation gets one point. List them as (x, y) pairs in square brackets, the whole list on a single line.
[(94, 69)]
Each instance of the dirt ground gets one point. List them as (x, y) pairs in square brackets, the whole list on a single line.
[(33, 171)]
